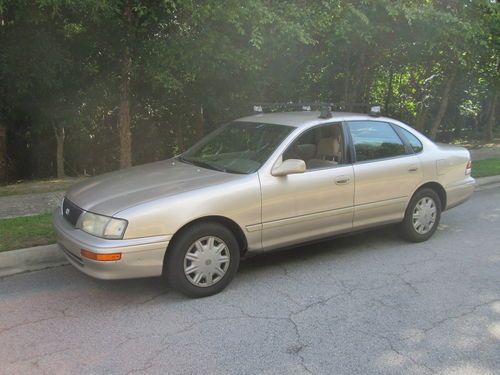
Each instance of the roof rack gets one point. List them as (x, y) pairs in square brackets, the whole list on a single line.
[(324, 107), (298, 106), (373, 109)]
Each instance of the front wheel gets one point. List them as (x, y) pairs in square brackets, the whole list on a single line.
[(422, 216), (202, 260)]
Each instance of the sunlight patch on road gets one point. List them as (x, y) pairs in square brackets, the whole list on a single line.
[(490, 217), (494, 330), (467, 369)]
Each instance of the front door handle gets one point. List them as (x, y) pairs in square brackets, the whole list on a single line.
[(342, 180)]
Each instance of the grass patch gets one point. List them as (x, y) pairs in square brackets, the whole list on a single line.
[(38, 186), (486, 167), (26, 231)]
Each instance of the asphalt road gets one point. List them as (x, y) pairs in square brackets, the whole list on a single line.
[(365, 304)]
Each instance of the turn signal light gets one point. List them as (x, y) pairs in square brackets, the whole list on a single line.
[(101, 257)]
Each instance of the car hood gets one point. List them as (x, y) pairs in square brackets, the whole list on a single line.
[(116, 191)]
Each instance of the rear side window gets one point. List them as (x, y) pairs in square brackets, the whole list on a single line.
[(375, 140), (414, 142)]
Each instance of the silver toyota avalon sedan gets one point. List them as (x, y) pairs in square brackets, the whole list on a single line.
[(259, 183)]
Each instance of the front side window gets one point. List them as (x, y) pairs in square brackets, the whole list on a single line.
[(414, 142), (239, 147), (320, 147), (375, 140)]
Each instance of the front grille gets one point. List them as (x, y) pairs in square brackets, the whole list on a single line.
[(71, 211)]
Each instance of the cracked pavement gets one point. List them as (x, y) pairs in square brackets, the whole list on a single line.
[(364, 304)]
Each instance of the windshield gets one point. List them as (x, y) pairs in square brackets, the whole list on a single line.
[(239, 147)]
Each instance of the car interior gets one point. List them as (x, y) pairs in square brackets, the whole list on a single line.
[(320, 147)]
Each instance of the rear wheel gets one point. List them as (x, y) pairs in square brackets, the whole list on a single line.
[(422, 216), (202, 260)]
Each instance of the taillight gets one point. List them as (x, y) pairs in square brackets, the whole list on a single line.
[(468, 168)]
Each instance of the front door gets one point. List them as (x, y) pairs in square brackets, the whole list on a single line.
[(313, 204)]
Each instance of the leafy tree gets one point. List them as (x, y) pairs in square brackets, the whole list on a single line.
[(89, 86)]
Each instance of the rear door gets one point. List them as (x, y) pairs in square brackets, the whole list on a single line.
[(386, 173)]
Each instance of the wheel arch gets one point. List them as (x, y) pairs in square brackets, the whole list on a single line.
[(228, 223), (438, 188)]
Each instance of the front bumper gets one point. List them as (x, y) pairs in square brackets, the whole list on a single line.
[(141, 257), (458, 194)]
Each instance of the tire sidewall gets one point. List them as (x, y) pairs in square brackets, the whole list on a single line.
[(174, 259), (409, 231)]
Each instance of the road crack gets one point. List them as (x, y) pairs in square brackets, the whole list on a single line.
[(390, 344), (440, 322)]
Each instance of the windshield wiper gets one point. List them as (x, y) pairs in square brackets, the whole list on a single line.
[(184, 160), (202, 164)]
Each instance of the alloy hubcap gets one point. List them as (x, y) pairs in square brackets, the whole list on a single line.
[(424, 215), (206, 261)]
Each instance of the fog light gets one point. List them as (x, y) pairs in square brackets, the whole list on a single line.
[(101, 257)]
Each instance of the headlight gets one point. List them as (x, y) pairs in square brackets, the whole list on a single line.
[(102, 226)]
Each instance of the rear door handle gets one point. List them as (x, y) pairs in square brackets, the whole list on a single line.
[(413, 168), (342, 180)]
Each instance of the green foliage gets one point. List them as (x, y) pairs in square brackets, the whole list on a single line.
[(26, 231), (196, 64), (487, 167)]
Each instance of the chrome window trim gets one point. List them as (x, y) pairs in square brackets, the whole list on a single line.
[(382, 159), (335, 166), (402, 135)]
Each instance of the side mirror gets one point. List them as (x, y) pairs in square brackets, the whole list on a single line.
[(289, 166)]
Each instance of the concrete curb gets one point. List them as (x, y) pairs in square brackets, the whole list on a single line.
[(30, 259), (40, 257), (486, 182)]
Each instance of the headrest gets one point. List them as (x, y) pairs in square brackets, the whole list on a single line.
[(336, 132), (306, 151), (326, 147)]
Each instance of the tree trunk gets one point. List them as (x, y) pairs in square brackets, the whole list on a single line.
[(421, 118), (490, 124), (124, 110), (442, 108), (357, 82), (347, 79), (200, 125), (388, 95), (421, 90), (459, 125), (60, 136), (3, 154), (124, 115)]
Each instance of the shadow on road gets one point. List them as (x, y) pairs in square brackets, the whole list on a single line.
[(350, 244), (358, 243)]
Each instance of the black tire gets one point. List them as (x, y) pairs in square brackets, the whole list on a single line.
[(173, 269), (406, 227)]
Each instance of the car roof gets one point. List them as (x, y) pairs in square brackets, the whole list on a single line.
[(305, 118)]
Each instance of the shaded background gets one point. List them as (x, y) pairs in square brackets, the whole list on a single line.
[(94, 85)]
